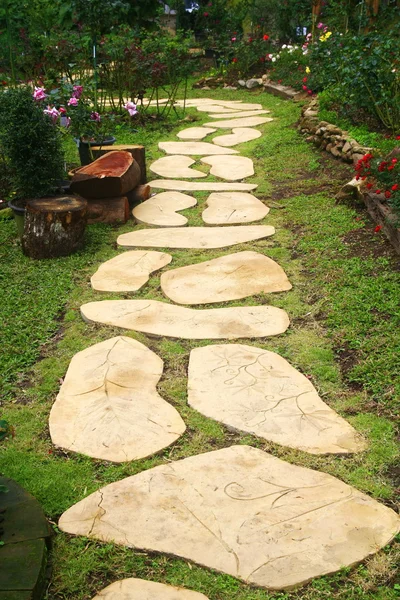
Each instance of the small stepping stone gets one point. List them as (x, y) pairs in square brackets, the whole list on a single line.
[(230, 208), (230, 277), (242, 512), (243, 113), (195, 133), (140, 589), (194, 148), (230, 167), (217, 108), (129, 271), (160, 210), (240, 122), (203, 186), (194, 102), (236, 106), (176, 166), (161, 319), (253, 390), (108, 406), (238, 136), (195, 237)]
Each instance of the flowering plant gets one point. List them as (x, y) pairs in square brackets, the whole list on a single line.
[(381, 177)]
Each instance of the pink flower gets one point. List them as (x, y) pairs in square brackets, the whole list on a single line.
[(95, 116), (131, 108), (320, 25), (77, 93), (39, 94), (233, 39), (73, 101), (52, 113)]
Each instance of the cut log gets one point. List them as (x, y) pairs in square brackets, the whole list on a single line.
[(139, 194), (54, 226), (108, 210), (138, 152), (111, 175)]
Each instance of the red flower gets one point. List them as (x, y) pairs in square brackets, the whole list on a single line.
[(309, 92), (369, 185), (265, 38), (378, 228), (234, 60), (304, 87), (387, 194), (206, 14), (250, 40), (304, 79), (395, 187), (397, 137), (390, 167), (394, 160), (377, 191)]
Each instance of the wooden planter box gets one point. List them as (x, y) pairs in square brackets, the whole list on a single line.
[(383, 215)]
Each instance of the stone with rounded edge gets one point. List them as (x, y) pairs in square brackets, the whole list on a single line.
[(194, 148), (108, 406), (161, 209), (160, 319), (230, 277), (243, 113), (230, 168), (195, 133), (200, 186), (239, 122), (238, 136), (242, 512), (195, 237), (233, 208), (140, 589), (257, 391), (129, 271), (176, 166)]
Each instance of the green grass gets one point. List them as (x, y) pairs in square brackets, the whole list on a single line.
[(344, 303)]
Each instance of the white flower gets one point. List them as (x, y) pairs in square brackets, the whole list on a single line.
[(284, 46), (273, 59)]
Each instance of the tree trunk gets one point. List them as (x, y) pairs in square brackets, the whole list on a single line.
[(54, 226), (138, 153), (139, 194), (108, 210)]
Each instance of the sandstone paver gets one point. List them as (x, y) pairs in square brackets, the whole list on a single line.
[(140, 589), (194, 148), (230, 168), (238, 136), (161, 210), (195, 133), (233, 208), (177, 166), (240, 113), (200, 186), (239, 122)]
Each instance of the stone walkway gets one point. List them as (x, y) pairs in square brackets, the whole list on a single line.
[(239, 510)]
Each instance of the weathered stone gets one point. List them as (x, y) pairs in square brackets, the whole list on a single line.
[(347, 147), (252, 83), (194, 148), (238, 136), (243, 113), (195, 237), (128, 271), (140, 589), (195, 133), (253, 390), (240, 511), (230, 277), (108, 406), (203, 186), (230, 168), (240, 122), (161, 210), (231, 208), (283, 91), (234, 106), (242, 83), (176, 167), (161, 319)]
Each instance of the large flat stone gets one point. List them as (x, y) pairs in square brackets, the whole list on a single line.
[(217, 108), (253, 390), (194, 237), (238, 136), (176, 166), (200, 186), (194, 148), (230, 208), (161, 210), (140, 589), (236, 106), (230, 277), (240, 113), (128, 271), (240, 122), (240, 511), (195, 133), (231, 168), (108, 406), (161, 319)]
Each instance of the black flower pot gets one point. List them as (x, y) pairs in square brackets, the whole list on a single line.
[(84, 148)]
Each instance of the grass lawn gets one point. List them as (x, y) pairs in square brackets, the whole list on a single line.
[(345, 316)]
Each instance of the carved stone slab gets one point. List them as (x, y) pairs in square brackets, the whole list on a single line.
[(162, 319), (240, 511), (257, 391), (195, 237), (108, 406), (238, 136), (230, 277), (230, 167), (239, 122), (176, 166), (240, 113), (128, 271), (229, 208), (203, 186), (194, 148), (140, 589), (161, 210), (195, 133)]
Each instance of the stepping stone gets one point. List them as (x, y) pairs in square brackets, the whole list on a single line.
[(240, 122), (203, 186), (195, 133), (243, 113), (229, 208), (129, 271), (161, 319), (194, 148), (194, 102), (242, 512), (160, 210), (108, 406), (236, 106), (253, 390), (217, 108), (238, 136), (195, 237), (230, 277), (140, 589), (230, 167), (176, 166)]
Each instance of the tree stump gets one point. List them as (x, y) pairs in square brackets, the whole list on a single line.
[(139, 194), (138, 152), (54, 226), (108, 210)]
